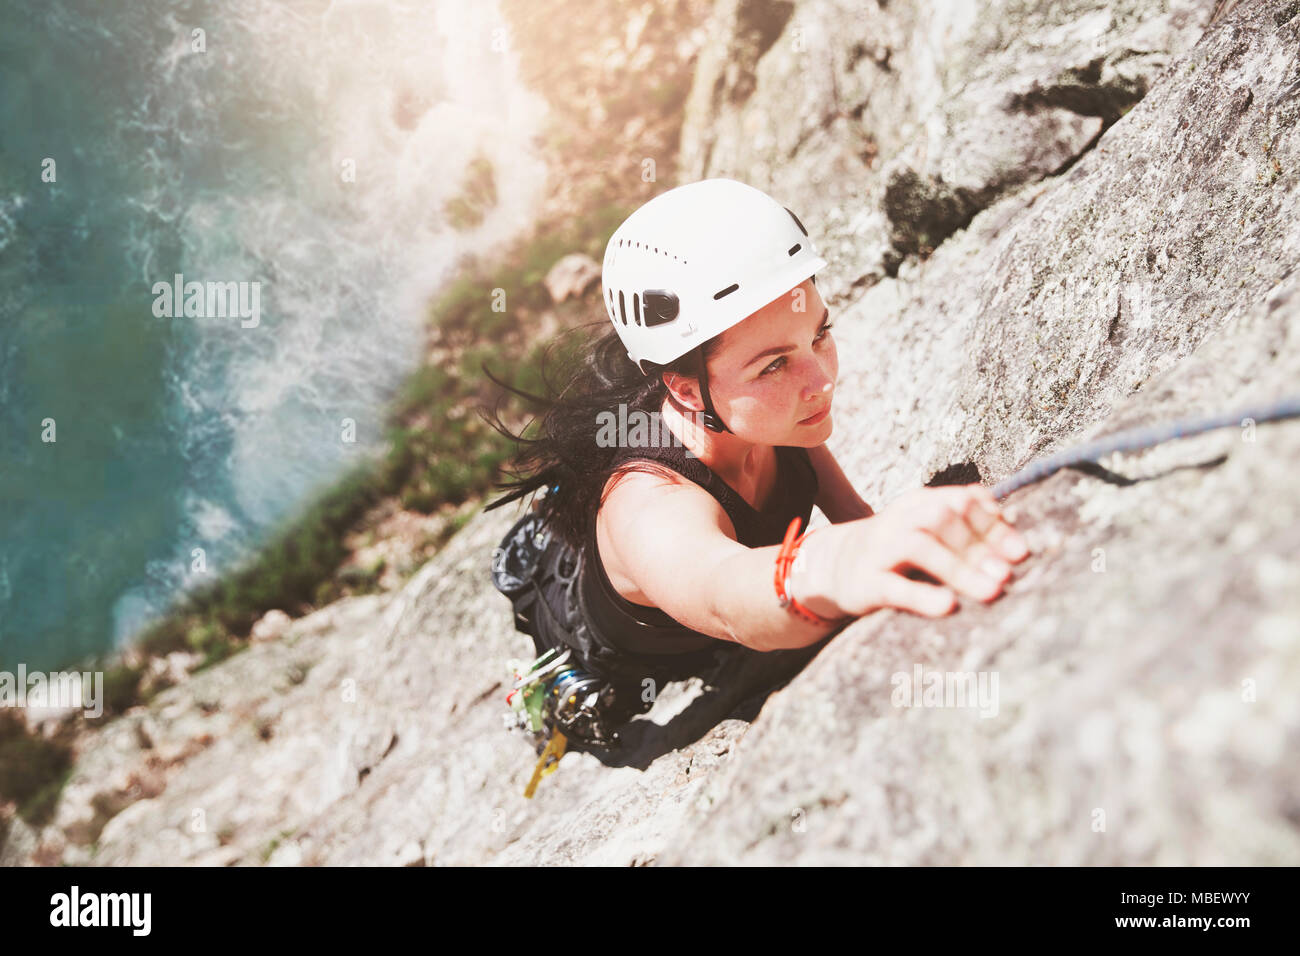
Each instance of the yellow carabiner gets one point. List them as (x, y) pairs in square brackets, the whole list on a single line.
[(554, 748)]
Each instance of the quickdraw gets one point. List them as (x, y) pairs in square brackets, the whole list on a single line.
[(548, 763), (527, 700), (550, 694)]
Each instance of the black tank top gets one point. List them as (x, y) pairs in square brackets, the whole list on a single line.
[(635, 629)]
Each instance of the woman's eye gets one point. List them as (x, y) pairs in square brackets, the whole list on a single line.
[(778, 364)]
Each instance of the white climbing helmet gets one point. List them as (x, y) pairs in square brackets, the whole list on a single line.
[(696, 260)]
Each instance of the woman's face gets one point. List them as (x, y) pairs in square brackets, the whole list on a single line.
[(775, 369)]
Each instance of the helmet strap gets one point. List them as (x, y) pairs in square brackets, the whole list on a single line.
[(711, 419)]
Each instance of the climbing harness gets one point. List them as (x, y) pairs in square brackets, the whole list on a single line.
[(1144, 437), (551, 698), (552, 702)]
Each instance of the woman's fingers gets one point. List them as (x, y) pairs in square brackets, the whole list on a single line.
[(928, 600), (952, 526), (948, 525), (954, 536), (985, 518), (957, 517), (1006, 540), (930, 555)]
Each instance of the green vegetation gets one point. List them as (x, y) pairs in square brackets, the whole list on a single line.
[(478, 194), (669, 97), (351, 580), (666, 97), (121, 688), (33, 770), (484, 302), (273, 843)]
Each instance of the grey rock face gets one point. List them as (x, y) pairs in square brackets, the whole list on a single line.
[(892, 125), (571, 276), (1139, 673), (1154, 280)]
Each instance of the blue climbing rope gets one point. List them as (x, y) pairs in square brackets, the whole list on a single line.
[(1143, 437)]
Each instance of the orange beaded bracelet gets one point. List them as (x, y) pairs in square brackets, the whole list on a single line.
[(789, 547)]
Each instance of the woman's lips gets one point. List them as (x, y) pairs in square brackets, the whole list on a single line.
[(816, 418)]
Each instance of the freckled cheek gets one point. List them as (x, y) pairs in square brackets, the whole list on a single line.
[(765, 391), (767, 397)]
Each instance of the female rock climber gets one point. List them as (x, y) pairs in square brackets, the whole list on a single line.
[(640, 559)]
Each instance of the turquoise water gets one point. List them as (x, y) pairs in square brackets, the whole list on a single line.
[(223, 164)]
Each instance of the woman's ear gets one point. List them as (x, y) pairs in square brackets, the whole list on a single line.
[(684, 389)]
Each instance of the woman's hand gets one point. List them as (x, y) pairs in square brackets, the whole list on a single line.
[(956, 534)]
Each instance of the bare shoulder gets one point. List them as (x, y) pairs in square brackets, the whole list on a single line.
[(657, 529), (630, 496)]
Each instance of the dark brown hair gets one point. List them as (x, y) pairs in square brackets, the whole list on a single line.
[(599, 378)]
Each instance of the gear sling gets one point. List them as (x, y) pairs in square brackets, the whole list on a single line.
[(554, 598), (540, 575), (563, 599)]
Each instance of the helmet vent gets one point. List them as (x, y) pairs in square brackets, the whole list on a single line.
[(727, 291), (636, 308), (795, 248), (647, 247), (621, 310)]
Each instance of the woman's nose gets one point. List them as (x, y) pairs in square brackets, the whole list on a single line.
[(821, 385)]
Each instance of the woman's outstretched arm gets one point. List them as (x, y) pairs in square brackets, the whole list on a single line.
[(679, 547)]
